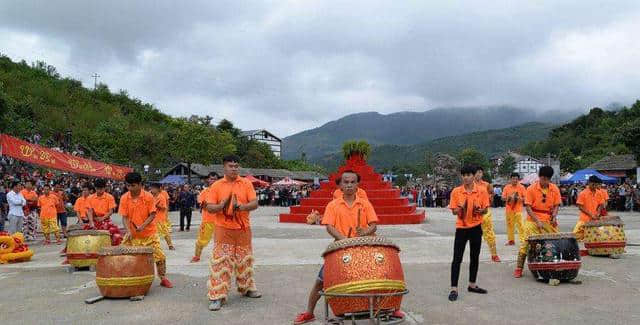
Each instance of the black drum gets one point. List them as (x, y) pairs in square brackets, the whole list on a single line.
[(554, 256)]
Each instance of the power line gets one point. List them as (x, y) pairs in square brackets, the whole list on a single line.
[(95, 81)]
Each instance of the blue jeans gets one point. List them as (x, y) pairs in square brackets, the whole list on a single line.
[(62, 219), (321, 274)]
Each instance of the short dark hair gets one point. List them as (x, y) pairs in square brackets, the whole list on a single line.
[(14, 184), (349, 171), (100, 183), (230, 158), (546, 171), (87, 186), (155, 185), (594, 179), (212, 174), (515, 175), (468, 169), (133, 178)]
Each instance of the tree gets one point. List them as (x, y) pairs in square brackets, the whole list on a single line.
[(507, 166), (197, 143), (473, 157), (351, 148), (629, 134)]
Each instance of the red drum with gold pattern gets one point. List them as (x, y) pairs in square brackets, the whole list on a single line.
[(124, 271), (362, 265)]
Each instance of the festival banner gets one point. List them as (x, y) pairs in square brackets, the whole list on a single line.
[(38, 155)]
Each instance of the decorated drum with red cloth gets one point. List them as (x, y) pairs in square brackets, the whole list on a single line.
[(83, 246), (362, 265), (554, 256), (124, 271), (605, 237)]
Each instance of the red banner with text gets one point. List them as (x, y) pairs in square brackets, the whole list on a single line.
[(38, 155)]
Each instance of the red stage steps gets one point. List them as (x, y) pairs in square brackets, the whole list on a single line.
[(390, 207)]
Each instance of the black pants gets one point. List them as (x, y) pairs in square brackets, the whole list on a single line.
[(185, 213), (474, 236)]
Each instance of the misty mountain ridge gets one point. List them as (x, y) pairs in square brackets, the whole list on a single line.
[(408, 128)]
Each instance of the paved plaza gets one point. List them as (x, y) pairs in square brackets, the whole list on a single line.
[(287, 262)]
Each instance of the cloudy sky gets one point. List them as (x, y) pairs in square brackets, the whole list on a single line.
[(292, 65)]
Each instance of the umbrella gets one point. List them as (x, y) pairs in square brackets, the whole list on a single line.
[(172, 179), (256, 182), (288, 182)]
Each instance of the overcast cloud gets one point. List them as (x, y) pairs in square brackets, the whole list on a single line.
[(291, 65)]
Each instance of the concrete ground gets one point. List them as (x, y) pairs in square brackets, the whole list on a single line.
[(288, 259)]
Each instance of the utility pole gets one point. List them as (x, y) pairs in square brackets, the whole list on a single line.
[(95, 81)]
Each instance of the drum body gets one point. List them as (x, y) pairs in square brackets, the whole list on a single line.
[(362, 265), (605, 237), (83, 246), (554, 256), (125, 271)]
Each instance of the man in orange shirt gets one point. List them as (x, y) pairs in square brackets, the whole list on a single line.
[(469, 202), (207, 224), (315, 217), (162, 219), (345, 217), (30, 211), (231, 199), (487, 220), (542, 201), (60, 208), (513, 195), (48, 203), (591, 203), (101, 205), (138, 211), (82, 204)]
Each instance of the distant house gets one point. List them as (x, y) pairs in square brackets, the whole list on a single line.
[(267, 137), (527, 165), (622, 166), (270, 175)]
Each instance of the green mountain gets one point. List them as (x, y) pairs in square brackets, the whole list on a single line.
[(488, 142), (114, 127), (409, 128), (592, 136)]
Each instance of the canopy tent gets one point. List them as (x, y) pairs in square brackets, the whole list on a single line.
[(565, 177), (582, 176), (530, 179), (256, 182), (172, 179), (288, 182)]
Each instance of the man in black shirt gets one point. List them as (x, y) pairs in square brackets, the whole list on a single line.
[(186, 201)]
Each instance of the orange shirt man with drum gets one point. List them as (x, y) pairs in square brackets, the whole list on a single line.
[(591, 203), (138, 211), (345, 217), (542, 201), (231, 199)]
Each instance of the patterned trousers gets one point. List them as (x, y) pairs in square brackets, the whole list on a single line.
[(30, 225), (514, 222), (488, 234), (232, 255)]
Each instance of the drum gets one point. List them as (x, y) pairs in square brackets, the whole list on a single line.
[(83, 246), (554, 256), (124, 271), (362, 265), (605, 237), (74, 227)]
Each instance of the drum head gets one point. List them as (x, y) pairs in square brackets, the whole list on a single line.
[(557, 235), (125, 250), (88, 233), (359, 241)]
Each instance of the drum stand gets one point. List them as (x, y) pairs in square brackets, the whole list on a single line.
[(374, 315)]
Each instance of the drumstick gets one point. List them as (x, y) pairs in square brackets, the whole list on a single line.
[(358, 224)]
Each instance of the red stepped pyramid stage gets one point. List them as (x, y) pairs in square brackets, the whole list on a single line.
[(390, 207)]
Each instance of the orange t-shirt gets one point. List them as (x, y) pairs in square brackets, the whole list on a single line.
[(221, 190), (589, 201), (345, 218), (29, 195), (61, 198), (207, 217), (603, 194), (478, 197), (508, 191), (360, 193), (137, 210), (535, 197), (203, 194), (81, 207), (47, 204), (101, 204), (161, 203), (165, 194), (486, 186)]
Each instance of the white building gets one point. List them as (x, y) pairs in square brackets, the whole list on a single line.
[(267, 137)]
